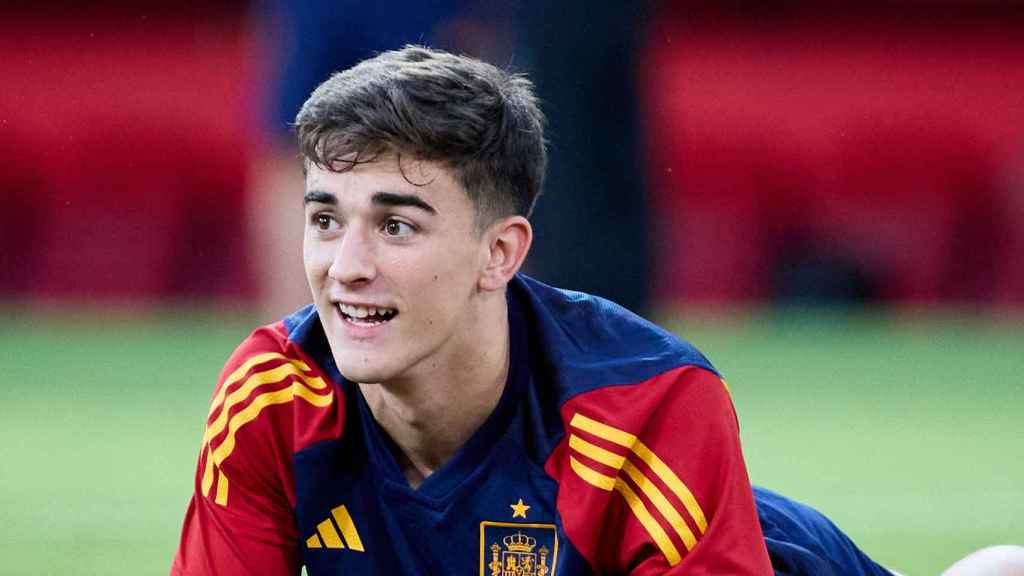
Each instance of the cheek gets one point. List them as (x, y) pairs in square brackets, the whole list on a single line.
[(451, 285), (316, 258), (447, 277)]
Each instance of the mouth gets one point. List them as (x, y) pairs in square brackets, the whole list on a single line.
[(365, 315)]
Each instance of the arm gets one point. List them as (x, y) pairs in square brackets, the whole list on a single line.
[(218, 540), (657, 482), (240, 520)]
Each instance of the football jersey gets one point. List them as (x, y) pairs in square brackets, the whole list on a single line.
[(802, 542), (614, 449)]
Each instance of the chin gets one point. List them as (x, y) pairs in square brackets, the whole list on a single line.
[(360, 369)]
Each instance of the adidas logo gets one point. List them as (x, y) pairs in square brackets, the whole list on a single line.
[(338, 531)]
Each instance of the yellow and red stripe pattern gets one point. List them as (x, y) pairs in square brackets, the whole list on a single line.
[(660, 501), (261, 381)]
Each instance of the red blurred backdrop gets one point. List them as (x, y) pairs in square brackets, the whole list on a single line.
[(795, 149), (125, 139)]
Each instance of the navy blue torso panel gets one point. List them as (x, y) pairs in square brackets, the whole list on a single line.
[(439, 527)]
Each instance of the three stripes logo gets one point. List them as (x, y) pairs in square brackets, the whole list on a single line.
[(261, 381), (631, 469), (337, 532)]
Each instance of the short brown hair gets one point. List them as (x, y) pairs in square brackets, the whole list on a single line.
[(480, 121)]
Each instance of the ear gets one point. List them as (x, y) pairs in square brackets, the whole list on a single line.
[(507, 242)]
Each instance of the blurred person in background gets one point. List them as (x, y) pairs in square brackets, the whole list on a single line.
[(593, 226), (590, 96), (304, 41)]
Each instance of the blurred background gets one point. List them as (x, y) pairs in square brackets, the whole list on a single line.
[(827, 198)]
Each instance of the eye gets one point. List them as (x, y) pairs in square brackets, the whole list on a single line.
[(394, 227), (323, 222)]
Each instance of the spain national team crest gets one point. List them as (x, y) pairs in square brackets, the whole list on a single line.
[(518, 549)]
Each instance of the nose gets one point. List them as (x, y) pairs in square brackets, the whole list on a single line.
[(354, 258)]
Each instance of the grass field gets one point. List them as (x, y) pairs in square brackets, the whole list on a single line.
[(908, 432)]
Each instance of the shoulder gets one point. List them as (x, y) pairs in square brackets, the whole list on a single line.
[(265, 370), (582, 343), (660, 461), (610, 371), (680, 420), (271, 400), (648, 440)]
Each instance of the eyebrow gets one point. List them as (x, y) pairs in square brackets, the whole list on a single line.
[(396, 199), (320, 197), (379, 199)]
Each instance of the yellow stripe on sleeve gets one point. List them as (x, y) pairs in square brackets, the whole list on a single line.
[(596, 453), (224, 401), (591, 476), (207, 472), (649, 488), (237, 374), (600, 430), (649, 523), (222, 489), (656, 464), (272, 376), (313, 542), (248, 414), (653, 493), (674, 484), (604, 482)]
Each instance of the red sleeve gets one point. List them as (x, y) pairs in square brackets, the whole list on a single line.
[(652, 479), (241, 520)]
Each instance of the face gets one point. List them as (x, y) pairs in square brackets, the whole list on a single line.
[(393, 266)]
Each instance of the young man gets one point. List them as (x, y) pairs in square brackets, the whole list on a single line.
[(434, 411)]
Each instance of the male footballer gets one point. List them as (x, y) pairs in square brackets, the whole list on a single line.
[(436, 412)]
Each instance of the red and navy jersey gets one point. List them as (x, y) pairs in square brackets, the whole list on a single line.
[(802, 542), (614, 449)]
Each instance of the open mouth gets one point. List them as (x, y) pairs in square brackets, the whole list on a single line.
[(363, 316)]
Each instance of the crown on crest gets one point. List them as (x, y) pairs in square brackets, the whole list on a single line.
[(519, 542)]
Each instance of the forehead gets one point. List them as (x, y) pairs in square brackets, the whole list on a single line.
[(389, 173)]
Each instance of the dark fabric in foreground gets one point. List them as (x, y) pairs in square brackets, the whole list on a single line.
[(803, 542)]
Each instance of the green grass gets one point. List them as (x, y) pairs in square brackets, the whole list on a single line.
[(101, 427), (908, 433)]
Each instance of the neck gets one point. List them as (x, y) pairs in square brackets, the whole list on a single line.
[(432, 414)]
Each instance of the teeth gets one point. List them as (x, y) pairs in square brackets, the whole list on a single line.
[(362, 312)]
